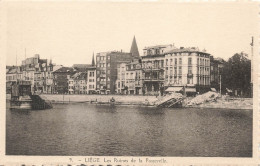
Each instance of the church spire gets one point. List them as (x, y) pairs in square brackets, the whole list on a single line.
[(134, 49), (93, 60)]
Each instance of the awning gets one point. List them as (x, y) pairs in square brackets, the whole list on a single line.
[(193, 90), (173, 89), (213, 89)]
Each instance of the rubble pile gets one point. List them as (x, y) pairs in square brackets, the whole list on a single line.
[(206, 97), (170, 100)]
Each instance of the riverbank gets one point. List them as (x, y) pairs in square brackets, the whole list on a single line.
[(237, 103), (119, 99), (223, 103)]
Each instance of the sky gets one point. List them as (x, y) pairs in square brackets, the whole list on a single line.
[(70, 32)]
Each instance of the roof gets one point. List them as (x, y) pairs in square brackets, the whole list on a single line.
[(79, 76), (153, 56), (13, 70), (9, 67), (64, 70), (81, 66), (178, 50), (157, 46), (134, 49)]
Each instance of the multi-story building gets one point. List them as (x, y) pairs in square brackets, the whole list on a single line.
[(129, 77), (187, 69), (13, 74), (91, 79), (107, 64), (153, 68), (38, 71), (107, 69), (77, 83), (121, 80), (216, 66), (60, 79)]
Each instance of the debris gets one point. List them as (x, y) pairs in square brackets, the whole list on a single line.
[(206, 97), (171, 100)]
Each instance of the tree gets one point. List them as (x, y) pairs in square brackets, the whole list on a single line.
[(236, 74)]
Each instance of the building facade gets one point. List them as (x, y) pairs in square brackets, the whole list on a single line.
[(216, 66), (187, 68), (107, 70), (129, 77), (77, 83), (153, 68), (91, 80), (60, 79)]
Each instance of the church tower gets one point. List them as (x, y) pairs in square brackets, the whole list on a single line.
[(134, 49)]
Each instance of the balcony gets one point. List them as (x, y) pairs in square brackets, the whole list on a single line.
[(154, 79), (102, 76)]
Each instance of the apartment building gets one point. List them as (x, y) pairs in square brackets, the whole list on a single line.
[(216, 66), (107, 69), (153, 68), (91, 80), (60, 79), (187, 69), (77, 83), (121, 80)]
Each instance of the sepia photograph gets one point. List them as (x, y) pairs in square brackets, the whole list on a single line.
[(141, 78)]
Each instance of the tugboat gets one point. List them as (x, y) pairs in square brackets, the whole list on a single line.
[(22, 98)]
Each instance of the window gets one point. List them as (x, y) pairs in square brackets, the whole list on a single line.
[(108, 57), (180, 71), (175, 61), (166, 62), (180, 61), (108, 64), (162, 63), (171, 62), (175, 70), (189, 61), (180, 79), (190, 80), (189, 70)]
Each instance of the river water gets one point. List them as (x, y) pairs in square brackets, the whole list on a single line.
[(101, 130)]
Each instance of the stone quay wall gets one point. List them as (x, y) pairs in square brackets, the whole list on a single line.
[(123, 99)]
